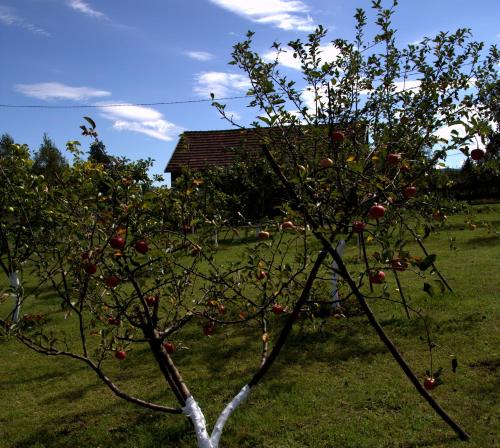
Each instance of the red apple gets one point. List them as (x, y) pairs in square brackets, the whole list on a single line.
[(117, 242), (261, 275), (141, 246), (277, 309), (263, 235), (120, 354), (430, 383), (287, 225), (393, 158), (399, 265), (358, 226), (326, 162), (209, 328), (338, 136), (91, 269), (477, 154), (169, 347), (112, 281), (377, 277), (113, 320), (410, 191), (376, 211), (222, 309), (150, 300)]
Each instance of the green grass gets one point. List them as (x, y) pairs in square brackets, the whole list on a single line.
[(334, 384)]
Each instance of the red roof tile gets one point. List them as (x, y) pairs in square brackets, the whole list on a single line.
[(198, 150)]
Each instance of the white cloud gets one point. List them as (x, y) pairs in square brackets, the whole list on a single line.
[(54, 90), (221, 84), (233, 115), (85, 8), (327, 54), (9, 18), (143, 120), (309, 97), (199, 55), (445, 131), (284, 14), (409, 84)]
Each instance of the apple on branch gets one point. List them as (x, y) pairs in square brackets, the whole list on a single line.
[(376, 211), (117, 242), (263, 235), (120, 354), (377, 277), (141, 246), (338, 137), (358, 226), (393, 158)]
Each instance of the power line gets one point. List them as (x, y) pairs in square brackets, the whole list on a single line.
[(101, 106)]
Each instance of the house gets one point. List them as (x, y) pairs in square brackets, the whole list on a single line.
[(201, 150)]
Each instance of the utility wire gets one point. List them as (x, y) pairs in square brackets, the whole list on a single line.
[(101, 106)]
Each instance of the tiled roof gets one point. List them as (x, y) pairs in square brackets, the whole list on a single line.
[(198, 150)]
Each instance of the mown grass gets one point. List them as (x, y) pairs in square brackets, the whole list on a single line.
[(334, 384)]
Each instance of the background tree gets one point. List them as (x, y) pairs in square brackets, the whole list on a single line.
[(49, 161), (98, 154)]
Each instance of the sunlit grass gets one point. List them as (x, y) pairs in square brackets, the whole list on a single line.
[(334, 384)]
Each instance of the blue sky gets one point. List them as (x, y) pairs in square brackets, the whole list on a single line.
[(74, 52)]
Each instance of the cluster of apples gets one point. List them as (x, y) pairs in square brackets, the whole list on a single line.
[(116, 242)]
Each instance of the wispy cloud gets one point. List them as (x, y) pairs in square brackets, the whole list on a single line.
[(54, 90), (409, 84), (143, 120), (9, 18), (220, 84), (284, 14), (84, 8), (199, 55), (327, 54)]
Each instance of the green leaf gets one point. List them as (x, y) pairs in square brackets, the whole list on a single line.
[(90, 121), (427, 262), (429, 289), (427, 232)]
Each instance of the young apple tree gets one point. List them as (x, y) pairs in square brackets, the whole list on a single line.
[(358, 143)]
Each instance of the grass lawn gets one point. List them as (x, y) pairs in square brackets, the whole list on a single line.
[(334, 384)]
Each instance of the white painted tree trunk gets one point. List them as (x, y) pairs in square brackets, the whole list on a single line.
[(15, 282), (335, 291), (193, 411)]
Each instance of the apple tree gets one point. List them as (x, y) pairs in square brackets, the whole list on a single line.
[(360, 137), (22, 217), (353, 149), (125, 274)]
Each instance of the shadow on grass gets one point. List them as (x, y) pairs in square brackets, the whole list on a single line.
[(445, 440), (136, 429), (53, 374), (483, 241), (416, 328)]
